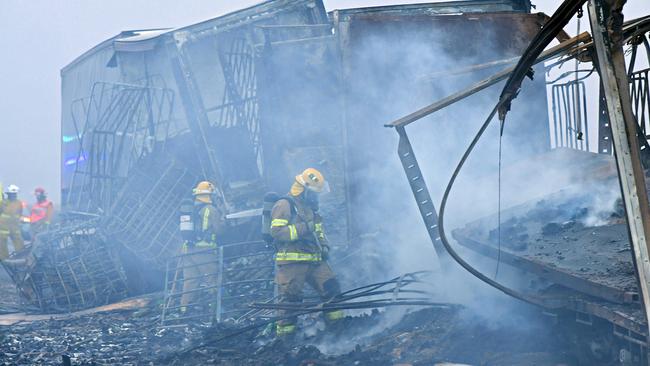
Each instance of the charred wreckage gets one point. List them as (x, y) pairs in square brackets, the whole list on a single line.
[(248, 98)]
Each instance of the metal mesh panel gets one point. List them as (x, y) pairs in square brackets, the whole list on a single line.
[(570, 128), (244, 274), (121, 124), (640, 95)]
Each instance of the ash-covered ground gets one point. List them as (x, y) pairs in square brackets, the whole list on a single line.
[(424, 336)]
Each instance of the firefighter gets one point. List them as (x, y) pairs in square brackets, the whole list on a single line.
[(41, 213), (11, 214), (199, 263), (302, 247)]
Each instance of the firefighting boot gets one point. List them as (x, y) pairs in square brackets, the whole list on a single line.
[(285, 331)]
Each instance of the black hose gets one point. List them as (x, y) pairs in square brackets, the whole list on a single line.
[(551, 28), (360, 305), (559, 19), (441, 221), (265, 305)]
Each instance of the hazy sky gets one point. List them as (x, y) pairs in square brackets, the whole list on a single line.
[(39, 37)]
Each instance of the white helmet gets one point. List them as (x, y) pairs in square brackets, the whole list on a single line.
[(13, 189)]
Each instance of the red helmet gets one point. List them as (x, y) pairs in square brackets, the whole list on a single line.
[(39, 191)]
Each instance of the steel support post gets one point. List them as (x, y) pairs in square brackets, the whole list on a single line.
[(611, 61), (219, 284), (166, 296)]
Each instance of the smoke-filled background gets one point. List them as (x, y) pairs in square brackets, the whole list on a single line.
[(40, 37)]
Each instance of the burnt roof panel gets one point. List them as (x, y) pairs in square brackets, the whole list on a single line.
[(438, 8)]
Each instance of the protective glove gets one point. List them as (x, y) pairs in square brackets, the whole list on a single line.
[(311, 226), (325, 251)]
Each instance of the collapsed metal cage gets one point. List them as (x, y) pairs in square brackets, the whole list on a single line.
[(144, 216), (70, 268)]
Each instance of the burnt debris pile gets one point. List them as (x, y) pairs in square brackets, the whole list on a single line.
[(130, 336)]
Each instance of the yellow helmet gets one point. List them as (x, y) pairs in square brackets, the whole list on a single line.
[(313, 180), (203, 192)]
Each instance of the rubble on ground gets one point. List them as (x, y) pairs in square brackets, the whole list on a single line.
[(132, 336)]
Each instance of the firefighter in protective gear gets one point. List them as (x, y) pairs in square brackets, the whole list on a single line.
[(200, 263), (11, 214), (41, 213), (302, 247)]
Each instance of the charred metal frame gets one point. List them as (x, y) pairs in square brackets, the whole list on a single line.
[(569, 103), (244, 275), (611, 63), (640, 94), (121, 124), (619, 105), (70, 268), (239, 106), (233, 39), (144, 215)]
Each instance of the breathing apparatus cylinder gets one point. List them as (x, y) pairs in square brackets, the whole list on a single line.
[(269, 201), (186, 217)]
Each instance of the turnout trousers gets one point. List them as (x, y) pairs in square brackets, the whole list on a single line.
[(16, 240), (291, 279), (199, 269)]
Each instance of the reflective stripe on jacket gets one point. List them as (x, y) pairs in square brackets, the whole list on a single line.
[(200, 245), (281, 223), (297, 257), (291, 233), (209, 225)]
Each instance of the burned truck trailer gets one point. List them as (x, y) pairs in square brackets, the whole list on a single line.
[(249, 98), (558, 232)]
